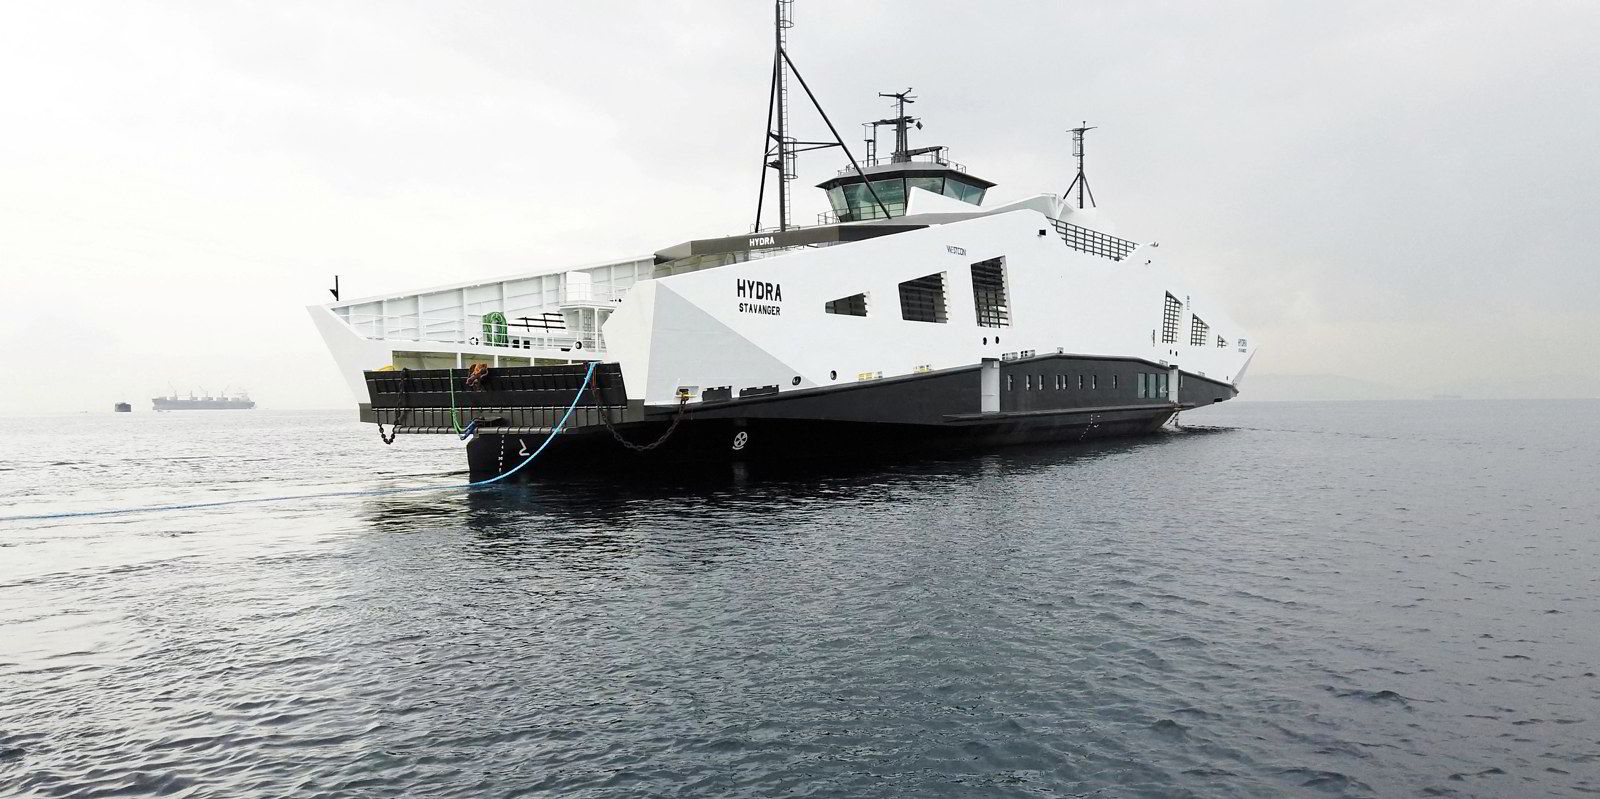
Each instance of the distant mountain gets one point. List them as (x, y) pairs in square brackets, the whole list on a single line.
[(1524, 387), (1271, 388)]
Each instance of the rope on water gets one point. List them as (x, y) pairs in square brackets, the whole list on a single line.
[(555, 431)]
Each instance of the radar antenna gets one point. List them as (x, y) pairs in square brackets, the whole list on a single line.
[(1081, 182), (781, 147)]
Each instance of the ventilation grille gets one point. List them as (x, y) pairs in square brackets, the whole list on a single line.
[(989, 293), (1093, 242), (1169, 320), (853, 305), (922, 300)]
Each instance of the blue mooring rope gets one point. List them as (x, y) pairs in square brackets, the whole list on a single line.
[(555, 431)]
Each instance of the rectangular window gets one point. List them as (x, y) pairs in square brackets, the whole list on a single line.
[(1113, 381), (923, 299), (1169, 320), (1080, 381), (1138, 385), (1027, 382), (933, 184), (853, 305), (1094, 382), (1199, 332), (1010, 383), (989, 293), (892, 193)]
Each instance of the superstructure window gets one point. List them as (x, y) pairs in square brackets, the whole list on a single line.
[(963, 191), (989, 296), (922, 300), (1221, 342), (1199, 332), (1169, 320), (853, 305), (1139, 385)]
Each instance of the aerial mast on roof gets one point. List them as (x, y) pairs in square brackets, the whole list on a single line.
[(900, 121), (781, 147), (1081, 182)]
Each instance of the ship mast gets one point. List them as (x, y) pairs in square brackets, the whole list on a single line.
[(781, 147), (902, 145), (1081, 182)]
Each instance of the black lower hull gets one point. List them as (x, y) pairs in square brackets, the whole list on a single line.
[(769, 440), (1035, 400)]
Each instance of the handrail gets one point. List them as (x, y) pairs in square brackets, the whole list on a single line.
[(938, 158), (520, 332)]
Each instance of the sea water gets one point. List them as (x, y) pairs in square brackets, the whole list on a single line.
[(1284, 599)]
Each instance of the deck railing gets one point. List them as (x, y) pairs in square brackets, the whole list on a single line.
[(520, 333)]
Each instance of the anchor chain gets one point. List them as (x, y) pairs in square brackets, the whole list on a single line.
[(605, 419), (405, 408)]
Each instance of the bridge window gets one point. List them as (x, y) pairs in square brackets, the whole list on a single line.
[(853, 305), (1169, 320), (923, 299), (859, 203), (963, 191), (1199, 332), (933, 184), (989, 296)]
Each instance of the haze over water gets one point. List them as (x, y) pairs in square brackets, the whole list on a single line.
[(1343, 599)]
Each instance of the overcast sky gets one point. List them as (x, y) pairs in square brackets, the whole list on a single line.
[(1401, 191)]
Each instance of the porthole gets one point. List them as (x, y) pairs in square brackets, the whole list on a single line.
[(796, 380), (986, 340), (997, 339), (833, 374)]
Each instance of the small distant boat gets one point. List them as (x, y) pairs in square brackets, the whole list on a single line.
[(236, 402), (122, 407)]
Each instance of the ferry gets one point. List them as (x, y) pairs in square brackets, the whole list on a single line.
[(921, 313)]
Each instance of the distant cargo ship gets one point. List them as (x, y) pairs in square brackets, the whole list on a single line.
[(238, 402), (122, 407)]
